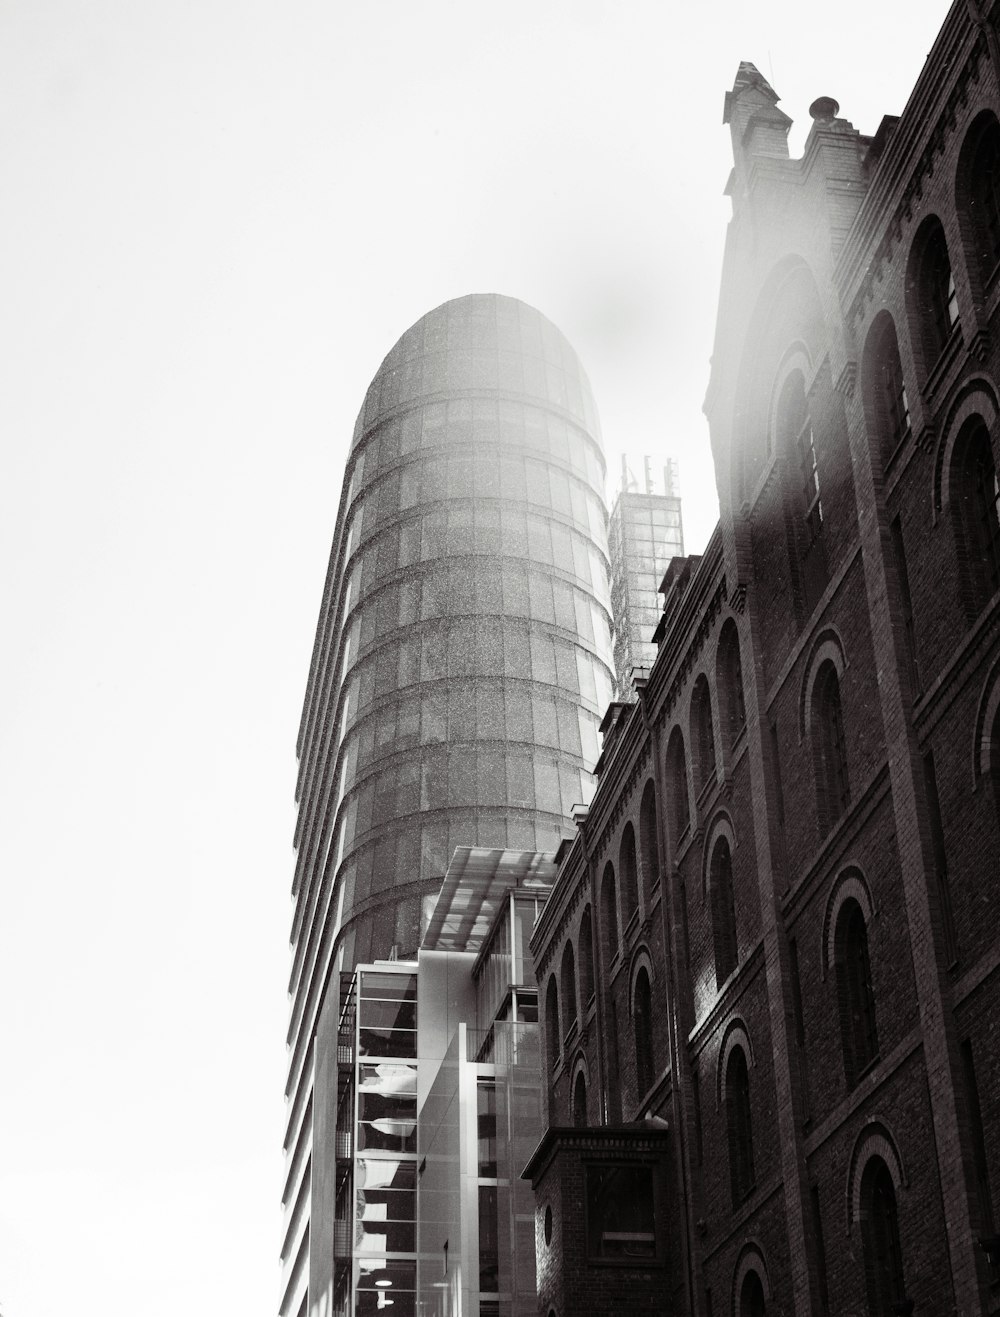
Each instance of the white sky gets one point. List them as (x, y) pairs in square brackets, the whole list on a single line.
[(217, 218)]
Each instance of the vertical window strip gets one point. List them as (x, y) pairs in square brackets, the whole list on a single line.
[(906, 599), (940, 859)]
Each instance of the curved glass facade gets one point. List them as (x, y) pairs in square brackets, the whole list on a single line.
[(465, 662)]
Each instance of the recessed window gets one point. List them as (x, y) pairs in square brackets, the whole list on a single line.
[(739, 1126), (621, 1219), (609, 913), (931, 294), (752, 1301), (552, 1022), (580, 1101), (983, 174), (678, 785), (730, 680), (586, 958), (703, 732), (723, 911), (629, 875), (856, 999), (642, 1026), (880, 1238), (830, 748), (568, 986), (976, 502), (649, 843), (547, 1225), (885, 388)]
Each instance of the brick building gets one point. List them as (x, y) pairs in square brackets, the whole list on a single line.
[(770, 965)]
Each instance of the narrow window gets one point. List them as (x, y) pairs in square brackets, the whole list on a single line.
[(931, 293), (580, 1102), (723, 912), (487, 1120), (984, 208), (798, 1020), (489, 1239), (586, 959), (642, 1024), (609, 913), (730, 680), (880, 1240), (703, 733), (741, 1171), (678, 785), (752, 1303), (906, 600), (649, 846), (776, 769), (552, 1036), (629, 876), (886, 391), (831, 757), (568, 986), (940, 859), (854, 991), (976, 502), (812, 504)]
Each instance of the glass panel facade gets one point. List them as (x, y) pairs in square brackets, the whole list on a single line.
[(478, 616)]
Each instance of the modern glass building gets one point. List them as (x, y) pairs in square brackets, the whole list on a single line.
[(461, 666), (645, 532)]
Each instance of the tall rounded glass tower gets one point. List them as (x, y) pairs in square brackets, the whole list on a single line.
[(463, 657), (461, 666)]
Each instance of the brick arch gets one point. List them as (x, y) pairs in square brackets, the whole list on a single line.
[(827, 645), (720, 825), (641, 959), (849, 885), (750, 1258), (977, 397), (797, 357), (875, 1140), (736, 1035), (986, 716)]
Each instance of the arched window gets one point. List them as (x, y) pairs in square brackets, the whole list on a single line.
[(586, 960), (738, 1123), (796, 440), (677, 785), (580, 1101), (854, 991), (629, 877), (752, 1302), (649, 846), (830, 748), (568, 985), (552, 1037), (609, 914), (723, 912), (983, 173), (975, 498), (880, 1240), (885, 390), (642, 1026), (931, 297), (729, 671), (702, 732)]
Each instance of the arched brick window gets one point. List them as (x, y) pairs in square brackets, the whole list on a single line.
[(880, 1240), (797, 441), (609, 913), (649, 846), (702, 732), (586, 959), (568, 986), (723, 911), (752, 1301), (552, 1036), (855, 998), (730, 681), (829, 747), (975, 500), (885, 391), (580, 1100), (677, 785), (981, 168), (739, 1126), (642, 1027), (932, 301), (628, 874)]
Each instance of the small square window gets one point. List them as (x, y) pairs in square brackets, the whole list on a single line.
[(621, 1214)]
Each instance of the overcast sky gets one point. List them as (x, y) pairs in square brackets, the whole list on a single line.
[(217, 218)]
